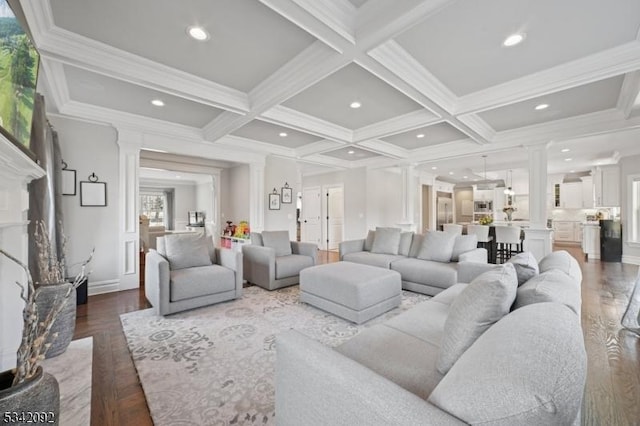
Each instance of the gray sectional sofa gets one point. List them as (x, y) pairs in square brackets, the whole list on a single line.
[(489, 352), (427, 263)]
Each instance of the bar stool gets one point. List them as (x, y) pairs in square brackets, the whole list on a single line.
[(453, 228), (506, 238), (482, 232)]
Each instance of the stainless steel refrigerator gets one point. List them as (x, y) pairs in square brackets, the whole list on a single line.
[(445, 211)]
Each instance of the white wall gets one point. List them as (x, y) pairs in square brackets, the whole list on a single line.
[(628, 166), (235, 194), (204, 199), (384, 198), (91, 148), (277, 172)]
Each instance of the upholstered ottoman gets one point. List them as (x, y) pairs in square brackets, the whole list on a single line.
[(351, 291)]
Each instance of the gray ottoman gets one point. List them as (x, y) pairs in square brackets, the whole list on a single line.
[(350, 290)]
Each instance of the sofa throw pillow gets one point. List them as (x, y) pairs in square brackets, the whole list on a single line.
[(437, 246), (186, 251), (416, 244), (551, 286), (368, 242), (484, 301), (386, 241), (526, 266), (563, 261), (463, 244), (405, 243), (277, 240)]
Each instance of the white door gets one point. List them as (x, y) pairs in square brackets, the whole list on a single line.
[(334, 219), (310, 228)]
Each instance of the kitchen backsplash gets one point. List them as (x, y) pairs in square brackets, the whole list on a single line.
[(580, 215)]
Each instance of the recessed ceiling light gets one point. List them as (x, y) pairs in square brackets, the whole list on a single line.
[(572, 171), (434, 168), (355, 104), (568, 159), (541, 107), (475, 180), (451, 173), (465, 177), (157, 102), (565, 150), (283, 134), (351, 152), (178, 177), (198, 33), (513, 39), (420, 135)]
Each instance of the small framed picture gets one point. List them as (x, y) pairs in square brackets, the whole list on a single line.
[(287, 195), (68, 182), (93, 193), (274, 201)]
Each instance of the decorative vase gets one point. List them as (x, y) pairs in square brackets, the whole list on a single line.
[(65, 324), (508, 213), (36, 400)]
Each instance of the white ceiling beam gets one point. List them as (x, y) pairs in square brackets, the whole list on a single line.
[(56, 82), (605, 64), (385, 148), (317, 148), (252, 145), (329, 23), (403, 123), (297, 120), (476, 124), (325, 160), (629, 93)]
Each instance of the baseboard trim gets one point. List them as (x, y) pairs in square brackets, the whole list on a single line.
[(102, 287), (632, 260)]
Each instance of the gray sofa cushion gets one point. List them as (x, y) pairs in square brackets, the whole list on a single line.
[(551, 286), (186, 250), (368, 242), (498, 381), (200, 281), (290, 266), (373, 259), (483, 302), (563, 261), (256, 239), (426, 272), (403, 359), (425, 321), (463, 244), (416, 244), (405, 243), (386, 241), (437, 246), (277, 240), (526, 266), (447, 296)]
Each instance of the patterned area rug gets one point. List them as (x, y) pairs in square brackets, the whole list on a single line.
[(215, 365)]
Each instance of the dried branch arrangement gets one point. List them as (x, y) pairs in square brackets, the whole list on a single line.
[(36, 331), (52, 267)]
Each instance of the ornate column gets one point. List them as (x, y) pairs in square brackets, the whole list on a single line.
[(129, 143), (257, 196), (537, 236)]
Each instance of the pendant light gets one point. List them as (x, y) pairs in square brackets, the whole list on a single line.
[(509, 191)]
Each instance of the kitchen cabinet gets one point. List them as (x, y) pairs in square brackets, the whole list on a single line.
[(567, 231), (606, 183), (571, 195), (591, 241), (587, 193)]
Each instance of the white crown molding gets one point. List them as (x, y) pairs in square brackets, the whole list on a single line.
[(297, 120), (330, 26), (56, 82), (317, 148), (384, 148), (405, 66), (94, 56), (402, 123), (224, 124), (324, 160), (478, 125), (339, 15), (210, 166), (629, 93), (601, 65), (251, 145)]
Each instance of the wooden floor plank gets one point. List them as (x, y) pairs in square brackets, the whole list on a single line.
[(613, 378)]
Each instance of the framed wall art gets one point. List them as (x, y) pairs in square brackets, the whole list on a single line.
[(93, 193), (274, 200), (68, 180), (286, 194)]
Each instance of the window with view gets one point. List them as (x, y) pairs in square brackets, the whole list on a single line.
[(153, 206)]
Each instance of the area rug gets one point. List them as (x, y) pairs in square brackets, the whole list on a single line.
[(215, 365)]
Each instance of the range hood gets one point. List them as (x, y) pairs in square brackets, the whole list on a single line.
[(489, 184)]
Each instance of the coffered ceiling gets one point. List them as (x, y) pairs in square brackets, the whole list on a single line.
[(437, 68)]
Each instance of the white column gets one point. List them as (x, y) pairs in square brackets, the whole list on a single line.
[(537, 236), (409, 195), (129, 143), (257, 196), (217, 230)]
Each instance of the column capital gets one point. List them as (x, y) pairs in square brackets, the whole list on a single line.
[(538, 146)]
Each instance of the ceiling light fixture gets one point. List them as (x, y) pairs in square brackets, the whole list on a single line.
[(509, 191), (565, 150), (355, 104), (568, 159), (351, 152), (541, 107), (513, 40), (283, 134), (420, 135), (465, 177), (178, 177), (434, 168), (157, 102), (198, 33), (451, 173)]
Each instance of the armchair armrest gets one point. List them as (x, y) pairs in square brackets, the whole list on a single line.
[(232, 260), (305, 249), (316, 385), (468, 271), (259, 264), (475, 255), (351, 246), (156, 281)]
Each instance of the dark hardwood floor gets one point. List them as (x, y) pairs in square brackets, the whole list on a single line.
[(612, 395)]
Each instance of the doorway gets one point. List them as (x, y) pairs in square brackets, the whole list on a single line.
[(310, 212), (333, 216), (426, 208)]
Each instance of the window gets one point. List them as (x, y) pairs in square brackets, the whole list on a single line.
[(634, 227), (154, 206)]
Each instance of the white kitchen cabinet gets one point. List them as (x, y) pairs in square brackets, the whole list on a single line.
[(571, 195), (587, 193), (606, 182), (567, 231), (591, 241)]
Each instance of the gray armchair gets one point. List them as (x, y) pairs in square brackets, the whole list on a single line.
[(271, 261), (187, 272)]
